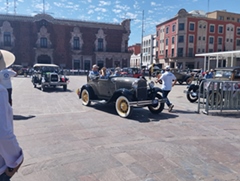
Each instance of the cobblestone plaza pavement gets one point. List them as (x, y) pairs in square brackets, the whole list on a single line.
[(63, 140)]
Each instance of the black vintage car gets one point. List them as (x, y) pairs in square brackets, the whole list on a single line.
[(48, 75), (125, 92)]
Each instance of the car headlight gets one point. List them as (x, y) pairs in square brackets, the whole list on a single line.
[(135, 84), (151, 84)]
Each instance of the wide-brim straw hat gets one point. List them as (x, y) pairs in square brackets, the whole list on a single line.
[(6, 59)]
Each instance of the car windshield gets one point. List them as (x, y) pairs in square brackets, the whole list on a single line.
[(47, 69), (223, 73)]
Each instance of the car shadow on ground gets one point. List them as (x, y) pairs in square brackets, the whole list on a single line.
[(20, 117), (51, 90), (141, 115)]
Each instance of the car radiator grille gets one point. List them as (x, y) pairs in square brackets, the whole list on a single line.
[(142, 90), (54, 78)]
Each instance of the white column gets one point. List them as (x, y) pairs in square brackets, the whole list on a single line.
[(204, 63), (217, 62), (209, 63), (232, 60)]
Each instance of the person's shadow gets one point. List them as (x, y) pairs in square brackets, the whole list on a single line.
[(20, 117)]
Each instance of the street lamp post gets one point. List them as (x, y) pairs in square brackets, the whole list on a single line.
[(141, 55)]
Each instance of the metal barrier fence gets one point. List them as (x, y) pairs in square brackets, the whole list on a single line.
[(218, 95)]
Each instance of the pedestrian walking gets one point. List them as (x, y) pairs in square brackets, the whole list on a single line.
[(168, 81), (5, 79), (11, 156)]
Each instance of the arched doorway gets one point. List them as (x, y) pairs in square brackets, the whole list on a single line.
[(44, 59)]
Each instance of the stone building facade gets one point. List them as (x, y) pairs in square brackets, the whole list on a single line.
[(70, 44)]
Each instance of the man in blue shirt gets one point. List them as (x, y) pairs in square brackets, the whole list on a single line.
[(94, 73)]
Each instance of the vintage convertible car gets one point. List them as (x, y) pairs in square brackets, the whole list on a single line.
[(48, 75), (125, 92)]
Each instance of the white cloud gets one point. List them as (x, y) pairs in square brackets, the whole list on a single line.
[(153, 4), (90, 11), (117, 10), (89, 1), (115, 20), (104, 3), (101, 10), (126, 8)]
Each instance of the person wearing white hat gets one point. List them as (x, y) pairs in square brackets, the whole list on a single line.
[(167, 83), (94, 73), (11, 156), (5, 80)]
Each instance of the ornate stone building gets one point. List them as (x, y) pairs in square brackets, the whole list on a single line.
[(69, 43)]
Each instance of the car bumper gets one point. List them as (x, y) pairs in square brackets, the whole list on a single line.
[(49, 84)]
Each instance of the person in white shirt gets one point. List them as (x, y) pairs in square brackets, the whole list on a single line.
[(5, 80), (168, 81), (11, 155)]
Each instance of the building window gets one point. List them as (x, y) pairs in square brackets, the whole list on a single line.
[(199, 38), (228, 29), (228, 18), (173, 40), (233, 19), (211, 29), (76, 43), (76, 64), (203, 38), (190, 39), (190, 52), (200, 26), (220, 40), (238, 42), (219, 50), (221, 18), (220, 29), (167, 41), (173, 28), (238, 20), (199, 50), (43, 42), (211, 40), (180, 39), (238, 30), (172, 52), (100, 44), (167, 29), (180, 52), (204, 26), (227, 40), (181, 26), (7, 39), (203, 50), (210, 50), (191, 26)]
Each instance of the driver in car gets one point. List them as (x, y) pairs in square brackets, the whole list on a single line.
[(94, 73)]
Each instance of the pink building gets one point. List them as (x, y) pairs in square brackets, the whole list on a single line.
[(180, 38)]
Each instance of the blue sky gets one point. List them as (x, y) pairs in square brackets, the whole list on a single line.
[(114, 11)]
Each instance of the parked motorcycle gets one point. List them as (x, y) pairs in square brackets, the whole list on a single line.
[(194, 91)]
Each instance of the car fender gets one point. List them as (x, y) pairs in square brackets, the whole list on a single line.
[(121, 92), (155, 90), (194, 87), (90, 90)]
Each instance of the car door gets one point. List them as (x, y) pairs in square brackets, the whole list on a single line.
[(105, 87)]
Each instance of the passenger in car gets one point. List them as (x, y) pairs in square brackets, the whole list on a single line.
[(117, 71), (94, 74), (103, 73)]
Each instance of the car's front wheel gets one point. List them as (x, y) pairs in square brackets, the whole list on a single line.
[(85, 96), (123, 107), (158, 107)]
